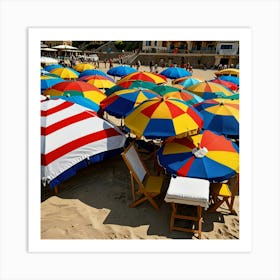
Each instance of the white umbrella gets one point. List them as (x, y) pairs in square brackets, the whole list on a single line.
[(70, 135), (48, 60), (48, 49), (65, 47)]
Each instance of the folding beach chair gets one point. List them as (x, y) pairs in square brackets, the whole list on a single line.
[(188, 191), (224, 193), (149, 186)]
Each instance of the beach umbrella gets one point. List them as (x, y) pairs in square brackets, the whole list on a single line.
[(144, 76), (137, 84), (220, 115), (113, 89), (80, 67), (189, 82), (121, 70), (175, 72), (52, 66), (182, 79), (48, 60), (228, 71), (209, 90), (186, 96), (162, 118), (91, 72), (122, 102), (76, 88), (232, 79), (65, 73), (72, 137), (98, 81), (49, 81), (83, 101), (164, 89), (227, 84), (206, 156)]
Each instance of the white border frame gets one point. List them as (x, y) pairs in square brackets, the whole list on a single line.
[(243, 35)]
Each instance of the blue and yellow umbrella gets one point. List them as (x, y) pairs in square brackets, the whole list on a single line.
[(162, 118), (120, 103), (220, 115), (206, 156)]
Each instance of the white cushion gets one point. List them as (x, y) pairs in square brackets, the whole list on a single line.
[(190, 191)]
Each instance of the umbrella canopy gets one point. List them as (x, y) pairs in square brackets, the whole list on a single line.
[(164, 89), (83, 66), (206, 156), (180, 80), (49, 81), (227, 84), (83, 101), (162, 118), (175, 72), (189, 82), (144, 76), (76, 88), (221, 116), (120, 103), (121, 70), (72, 136), (98, 81), (65, 73), (91, 72), (52, 66), (232, 79), (113, 89), (210, 90), (137, 84), (186, 96), (228, 71), (65, 47)]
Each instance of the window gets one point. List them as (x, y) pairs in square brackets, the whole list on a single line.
[(155, 43), (226, 47), (148, 43)]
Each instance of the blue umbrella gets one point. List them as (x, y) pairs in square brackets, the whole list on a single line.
[(91, 72), (48, 81), (52, 66), (189, 82), (83, 101), (121, 70), (232, 79), (175, 72)]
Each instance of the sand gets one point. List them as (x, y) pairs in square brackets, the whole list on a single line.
[(94, 204)]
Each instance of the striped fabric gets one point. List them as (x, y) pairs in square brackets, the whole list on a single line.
[(71, 133)]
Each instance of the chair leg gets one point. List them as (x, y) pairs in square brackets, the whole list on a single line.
[(141, 200)]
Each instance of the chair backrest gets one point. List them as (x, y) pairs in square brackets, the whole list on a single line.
[(134, 163)]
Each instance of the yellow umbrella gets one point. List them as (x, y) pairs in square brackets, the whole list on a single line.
[(228, 71), (65, 73), (83, 66)]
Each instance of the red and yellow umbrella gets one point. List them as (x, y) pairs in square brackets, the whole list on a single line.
[(76, 88), (162, 118), (98, 81), (144, 76)]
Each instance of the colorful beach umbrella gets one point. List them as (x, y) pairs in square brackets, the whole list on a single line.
[(227, 84), (162, 118), (98, 81), (229, 71), (52, 66), (206, 156), (120, 103), (137, 84), (72, 136), (80, 67), (209, 90), (232, 79), (144, 76), (76, 88), (189, 82), (175, 72), (220, 115), (92, 72), (186, 96), (49, 81), (113, 89), (182, 79), (83, 101), (121, 70), (65, 73)]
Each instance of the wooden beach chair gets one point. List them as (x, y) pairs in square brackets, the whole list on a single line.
[(188, 191), (224, 193), (149, 186)]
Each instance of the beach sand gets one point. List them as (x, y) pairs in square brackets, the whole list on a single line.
[(94, 204)]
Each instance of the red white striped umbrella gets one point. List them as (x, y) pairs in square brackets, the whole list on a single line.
[(72, 135)]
